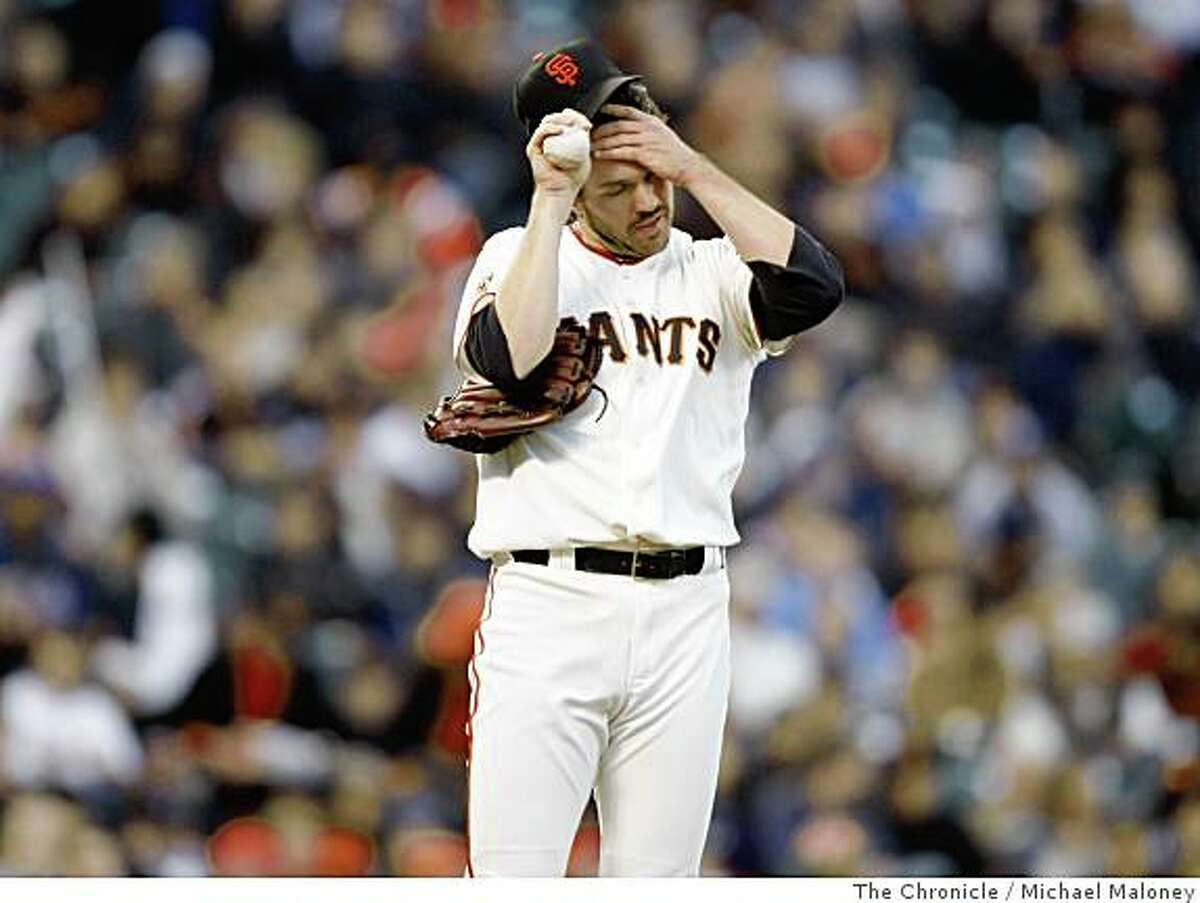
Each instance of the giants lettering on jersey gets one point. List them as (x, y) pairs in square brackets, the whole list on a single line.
[(678, 334), (662, 339)]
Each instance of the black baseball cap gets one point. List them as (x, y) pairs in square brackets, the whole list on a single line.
[(578, 75)]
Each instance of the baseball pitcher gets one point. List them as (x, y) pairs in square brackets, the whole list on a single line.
[(607, 360)]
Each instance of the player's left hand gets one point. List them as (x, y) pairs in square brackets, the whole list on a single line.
[(638, 137)]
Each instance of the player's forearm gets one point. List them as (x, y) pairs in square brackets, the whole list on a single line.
[(757, 230), (797, 282), (527, 300)]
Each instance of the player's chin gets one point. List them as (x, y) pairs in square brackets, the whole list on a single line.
[(652, 238)]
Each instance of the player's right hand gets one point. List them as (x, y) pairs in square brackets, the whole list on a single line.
[(547, 177)]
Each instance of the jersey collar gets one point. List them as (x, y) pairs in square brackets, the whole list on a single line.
[(620, 259)]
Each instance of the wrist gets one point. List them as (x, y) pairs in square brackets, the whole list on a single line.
[(550, 206), (697, 169)]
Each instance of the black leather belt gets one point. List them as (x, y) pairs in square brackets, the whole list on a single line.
[(650, 565)]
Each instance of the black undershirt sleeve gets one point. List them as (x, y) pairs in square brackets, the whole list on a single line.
[(487, 350), (789, 299)]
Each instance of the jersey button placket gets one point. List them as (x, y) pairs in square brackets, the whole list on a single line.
[(624, 303), (641, 423)]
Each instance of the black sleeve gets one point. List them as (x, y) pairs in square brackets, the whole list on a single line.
[(487, 350), (789, 299)]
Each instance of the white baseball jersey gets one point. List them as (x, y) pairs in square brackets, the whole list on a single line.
[(658, 464)]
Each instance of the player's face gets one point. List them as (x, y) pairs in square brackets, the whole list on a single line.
[(626, 208)]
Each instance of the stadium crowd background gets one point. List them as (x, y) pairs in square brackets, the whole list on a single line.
[(235, 600)]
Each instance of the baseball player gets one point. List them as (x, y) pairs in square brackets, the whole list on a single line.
[(602, 660)]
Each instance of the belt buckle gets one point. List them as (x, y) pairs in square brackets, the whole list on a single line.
[(658, 565), (633, 567), (645, 566)]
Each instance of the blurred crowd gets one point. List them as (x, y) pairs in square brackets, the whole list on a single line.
[(235, 600)]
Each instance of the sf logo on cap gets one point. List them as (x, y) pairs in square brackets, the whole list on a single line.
[(563, 69)]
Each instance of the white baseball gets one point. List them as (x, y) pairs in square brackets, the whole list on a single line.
[(568, 149)]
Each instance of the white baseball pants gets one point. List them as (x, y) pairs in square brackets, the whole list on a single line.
[(583, 681)]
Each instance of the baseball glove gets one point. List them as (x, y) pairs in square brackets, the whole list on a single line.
[(483, 419)]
